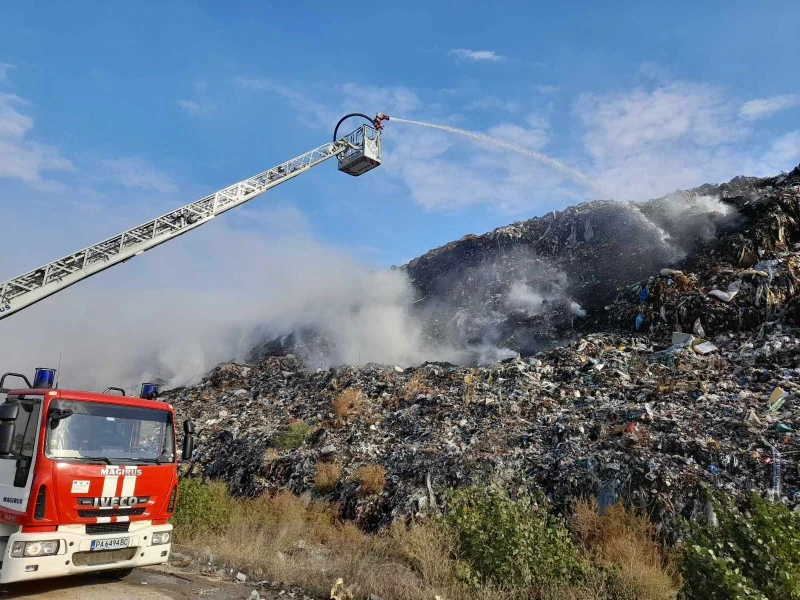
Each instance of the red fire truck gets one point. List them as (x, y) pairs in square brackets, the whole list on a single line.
[(88, 481)]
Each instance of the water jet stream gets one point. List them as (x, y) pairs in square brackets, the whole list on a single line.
[(550, 162)]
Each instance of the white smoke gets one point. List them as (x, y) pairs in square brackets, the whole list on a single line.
[(576, 309), (521, 296), (177, 311), (537, 298)]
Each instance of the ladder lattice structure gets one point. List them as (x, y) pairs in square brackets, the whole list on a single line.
[(29, 288)]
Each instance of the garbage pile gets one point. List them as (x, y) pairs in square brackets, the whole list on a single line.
[(607, 415), (742, 278), (581, 256), (688, 378)]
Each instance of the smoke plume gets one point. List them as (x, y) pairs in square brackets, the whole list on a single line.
[(177, 311)]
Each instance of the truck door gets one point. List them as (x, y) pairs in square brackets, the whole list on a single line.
[(16, 470)]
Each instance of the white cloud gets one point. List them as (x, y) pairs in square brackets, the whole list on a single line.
[(4, 69), (547, 89), (136, 173), (442, 171), (20, 157), (398, 100), (782, 155), (645, 143), (477, 55), (638, 144), (13, 124), (648, 142), (629, 123), (534, 137), (445, 172), (193, 107), (766, 107)]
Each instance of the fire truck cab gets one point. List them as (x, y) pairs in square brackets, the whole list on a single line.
[(88, 481)]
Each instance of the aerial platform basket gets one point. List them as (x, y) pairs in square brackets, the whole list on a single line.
[(363, 153)]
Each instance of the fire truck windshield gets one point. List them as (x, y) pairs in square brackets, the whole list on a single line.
[(92, 431)]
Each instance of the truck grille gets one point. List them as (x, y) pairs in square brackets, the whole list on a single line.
[(122, 512), (101, 528), (103, 557)]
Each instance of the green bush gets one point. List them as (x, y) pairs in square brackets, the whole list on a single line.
[(293, 437), (510, 544), (202, 507), (744, 558)]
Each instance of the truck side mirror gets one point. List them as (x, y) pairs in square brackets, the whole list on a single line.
[(8, 418), (188, 440)]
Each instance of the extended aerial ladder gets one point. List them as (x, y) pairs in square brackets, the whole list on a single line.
[(357, 153)]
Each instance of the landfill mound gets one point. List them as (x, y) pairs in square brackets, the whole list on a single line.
[(535, 284), (686, 372), (528, 286)]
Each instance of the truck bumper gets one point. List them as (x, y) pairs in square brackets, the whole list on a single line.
[(75, 555)]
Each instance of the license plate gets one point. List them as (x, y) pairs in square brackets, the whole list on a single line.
[(112, 544)]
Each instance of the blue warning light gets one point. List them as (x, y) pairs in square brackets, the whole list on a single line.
[(149, 391), (44, 378)]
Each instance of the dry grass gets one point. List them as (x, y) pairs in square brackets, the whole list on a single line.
[(302, 543), (372, 478), (637, 365), (347, 403), (293, 436), (415, 386), (627, 541), (470, 393), (326, 477)]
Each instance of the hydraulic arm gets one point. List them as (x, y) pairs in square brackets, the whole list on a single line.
[(357, 153)]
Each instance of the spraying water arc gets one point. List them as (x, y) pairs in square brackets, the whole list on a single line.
[(550, 162)]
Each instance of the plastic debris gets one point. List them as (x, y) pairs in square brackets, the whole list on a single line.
[(733, 289), (682, 339), (698, 329), (340, 592), (705, 348), (622, 405)]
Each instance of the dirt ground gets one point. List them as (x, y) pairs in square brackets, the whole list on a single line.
[(151, 583)]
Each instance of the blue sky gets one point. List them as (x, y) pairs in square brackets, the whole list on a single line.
[(112, 113), (131, 109)]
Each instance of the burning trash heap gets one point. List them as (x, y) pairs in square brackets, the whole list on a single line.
[(684, 377)]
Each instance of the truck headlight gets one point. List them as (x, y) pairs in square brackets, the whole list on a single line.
[(44, 548), (160, 538)]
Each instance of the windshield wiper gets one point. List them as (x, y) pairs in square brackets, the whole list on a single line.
[(103, 459), (157, 460)]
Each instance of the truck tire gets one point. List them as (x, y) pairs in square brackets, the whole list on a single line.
[(115, 573)]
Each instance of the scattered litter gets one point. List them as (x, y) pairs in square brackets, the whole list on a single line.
[(733, 289), (625, 406), (705, 348)]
